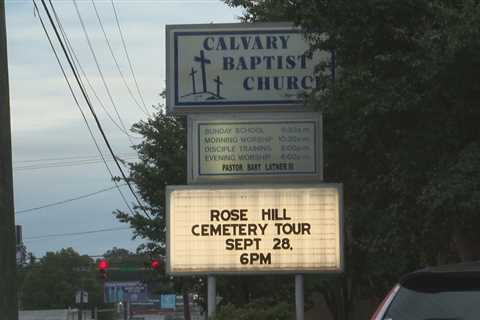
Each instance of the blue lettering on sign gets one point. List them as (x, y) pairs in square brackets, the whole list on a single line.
[(208, 43), (281, 83), (270, 42), (288, 62), (247, 83)]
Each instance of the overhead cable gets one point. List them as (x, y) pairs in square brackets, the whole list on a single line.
[(76, 157), (100, 72), (130, 64), (69, 234), (62, 164), (53, 204), (78, 104), (145, 111), (97, 121), (77, 63)]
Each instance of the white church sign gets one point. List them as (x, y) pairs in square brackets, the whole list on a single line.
[(238, 66), (255, 146), (276, 228)]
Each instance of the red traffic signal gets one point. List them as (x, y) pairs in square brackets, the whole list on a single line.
[(102, 265), (154, 264)]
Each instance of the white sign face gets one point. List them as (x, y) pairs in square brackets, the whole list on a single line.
[(238, 65), (254, 229), (255, 146)]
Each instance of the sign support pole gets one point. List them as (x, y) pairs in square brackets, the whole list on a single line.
[(125, 309), (212, 295), (299, 301), (80, 308)]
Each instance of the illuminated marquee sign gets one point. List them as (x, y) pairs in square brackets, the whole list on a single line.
[(249, 146), (238, 65), (254, 229)]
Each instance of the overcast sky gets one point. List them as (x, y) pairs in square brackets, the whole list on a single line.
[(54, 157)]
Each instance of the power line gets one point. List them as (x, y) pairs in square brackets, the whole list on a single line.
[(69, 234), (77, 102), (99, 126), (145, 111), (127, 55), (53, 204), (100, 72), (78, 157), (72, 53), (63, 164)]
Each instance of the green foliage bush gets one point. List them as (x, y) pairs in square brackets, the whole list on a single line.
[(255, 311)]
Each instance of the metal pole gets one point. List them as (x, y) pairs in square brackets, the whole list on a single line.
[(80, 308), (8, 290), (299, 302), (212, 296)]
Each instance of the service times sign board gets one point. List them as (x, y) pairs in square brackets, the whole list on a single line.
[(238, 66), (254, 229), (255, 146)]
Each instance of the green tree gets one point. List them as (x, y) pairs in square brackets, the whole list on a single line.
[(401, 133), (162, 162), (259, 310), (401, 129), (52, 281), (162, 156)]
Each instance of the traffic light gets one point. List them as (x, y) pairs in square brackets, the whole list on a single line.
[(102, 268), (154, 264)]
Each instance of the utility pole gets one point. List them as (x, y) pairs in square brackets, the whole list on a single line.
[(8, 290)]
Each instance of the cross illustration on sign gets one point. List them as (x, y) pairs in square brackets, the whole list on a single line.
[(203, 93), (192, 74), (219, 83), (203, 61)]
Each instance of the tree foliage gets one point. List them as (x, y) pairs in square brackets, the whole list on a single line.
[(401, 133), (260, 310), (162, 156), (401, 125), (52, 281), (162, 161)]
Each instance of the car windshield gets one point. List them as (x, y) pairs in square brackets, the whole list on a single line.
[(437, 298)]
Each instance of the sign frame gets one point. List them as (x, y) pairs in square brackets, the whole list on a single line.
[(338, 186), (194, 175), (175, 30)]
